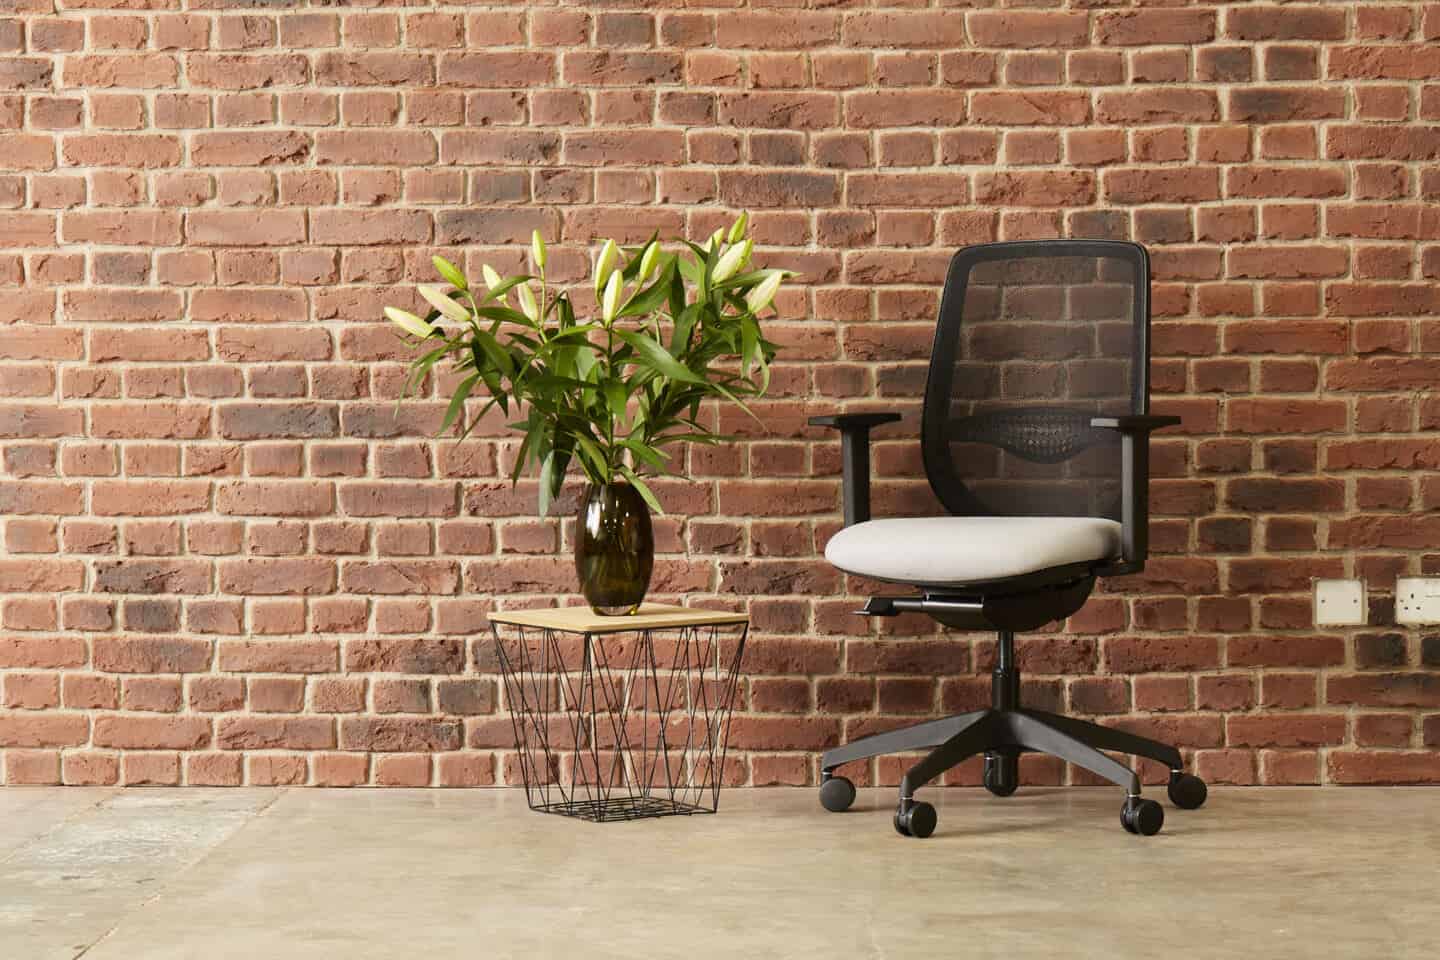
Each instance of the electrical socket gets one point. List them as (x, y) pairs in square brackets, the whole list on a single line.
[(1339, 603), (1417, 600)]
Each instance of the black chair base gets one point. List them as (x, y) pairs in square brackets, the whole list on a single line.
[(1002, 733)]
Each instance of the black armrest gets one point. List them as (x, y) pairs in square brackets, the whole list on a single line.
[(1134, 423), (1134, 430), (855, 458), (853, 421)]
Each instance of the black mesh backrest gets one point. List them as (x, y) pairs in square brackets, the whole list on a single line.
[(1034, 339)]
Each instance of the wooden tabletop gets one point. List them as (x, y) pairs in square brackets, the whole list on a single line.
[(650, 616)]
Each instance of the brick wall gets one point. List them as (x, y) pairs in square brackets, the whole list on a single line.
[(227, 560)]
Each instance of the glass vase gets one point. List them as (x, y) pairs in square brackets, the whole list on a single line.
[(614, 548)]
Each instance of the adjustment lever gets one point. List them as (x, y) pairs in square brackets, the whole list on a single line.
[(879, 607)]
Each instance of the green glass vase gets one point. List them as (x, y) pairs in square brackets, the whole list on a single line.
[(614, 548)]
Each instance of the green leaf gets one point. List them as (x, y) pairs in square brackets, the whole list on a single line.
[(677, 288), (658, 358), (585, 363), (737, 401), (650, 299), (691, 270), (505, 286), (684, 323), (523, 455), (495, 353), (598, 468), (457, 402), (504, 314), (547, 472), (646, 453), (644, 490), (750, 279), (617, 397)]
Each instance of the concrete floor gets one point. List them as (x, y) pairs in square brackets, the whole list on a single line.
[(276, 874)]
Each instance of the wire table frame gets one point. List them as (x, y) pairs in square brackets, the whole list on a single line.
[(621, 718)]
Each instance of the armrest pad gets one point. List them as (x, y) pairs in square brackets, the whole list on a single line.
[(854, 421), (1134, 423)]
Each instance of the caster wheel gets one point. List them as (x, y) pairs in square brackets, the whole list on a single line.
[(1187, 791), (1141, 816), (836, 794), (1002, 773), (918, 821)]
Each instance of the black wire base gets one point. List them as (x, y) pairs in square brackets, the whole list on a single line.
[(625, 725), (621, 808)]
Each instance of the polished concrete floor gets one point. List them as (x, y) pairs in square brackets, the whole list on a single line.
[(278, 874)]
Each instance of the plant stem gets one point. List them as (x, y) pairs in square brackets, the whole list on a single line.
[(610, 418)]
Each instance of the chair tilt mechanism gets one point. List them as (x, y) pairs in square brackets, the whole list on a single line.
[(1035, 438)]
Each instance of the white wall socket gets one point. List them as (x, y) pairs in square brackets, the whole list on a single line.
[(1417, 600), (1340, 603)]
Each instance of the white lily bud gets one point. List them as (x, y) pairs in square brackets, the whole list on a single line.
[(604, 264), (528, 306), (610, 302), (537, 249), (716, 238), (447, 307), (491, 275), (759, 298), (408, 322), (737, 229), (648, 259), (731, 261)]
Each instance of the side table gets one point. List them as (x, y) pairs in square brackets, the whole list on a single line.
[(619, 718)]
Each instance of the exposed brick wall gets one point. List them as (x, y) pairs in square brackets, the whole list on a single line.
[(226, 559)]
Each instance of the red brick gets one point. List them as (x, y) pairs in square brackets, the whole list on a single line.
[(213, 770), (496, 69), (1026, 29), (1041, 189), (244, 228), (1285, 104), (1147, 653), (305, 576), (1147, 27), (246, 71), (275, 770), (905, 108), (1029, 108), (1161, 185), (1385, 766), (278, 656), (90, 769), (139, 732), (371, 227), (34, 767), (367, 147)]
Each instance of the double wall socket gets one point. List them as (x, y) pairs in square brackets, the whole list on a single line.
[(1339, 603), (1342, 603), (1417, 600)]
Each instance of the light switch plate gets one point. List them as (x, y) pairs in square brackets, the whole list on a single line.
[(1339, 603), (1417, 600)]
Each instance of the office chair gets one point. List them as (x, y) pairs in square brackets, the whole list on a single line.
[(1035, 437)]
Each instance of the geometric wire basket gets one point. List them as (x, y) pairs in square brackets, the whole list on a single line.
[(614, 722)]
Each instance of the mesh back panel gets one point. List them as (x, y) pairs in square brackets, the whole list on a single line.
[(1029, 347)]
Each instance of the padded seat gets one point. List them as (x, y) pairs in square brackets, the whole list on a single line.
[(941, 551)]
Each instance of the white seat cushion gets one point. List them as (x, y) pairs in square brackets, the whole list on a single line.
[(955, 550)]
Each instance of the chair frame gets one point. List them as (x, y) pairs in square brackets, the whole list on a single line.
[(1012, 604)]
